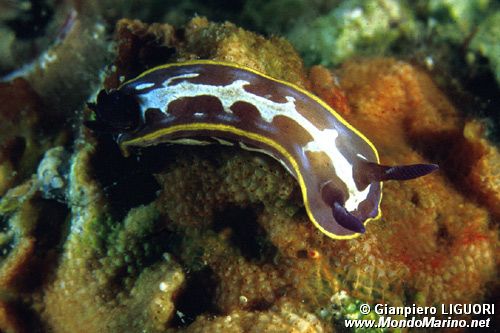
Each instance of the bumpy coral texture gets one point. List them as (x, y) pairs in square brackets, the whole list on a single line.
[(225, 245), (442, 243), (125, 273), (283, 317)]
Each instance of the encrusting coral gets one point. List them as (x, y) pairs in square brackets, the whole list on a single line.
[(212, 239), (20, 141), (282, 317), (442, 239)]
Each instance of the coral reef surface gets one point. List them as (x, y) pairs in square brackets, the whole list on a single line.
[(216, 239)]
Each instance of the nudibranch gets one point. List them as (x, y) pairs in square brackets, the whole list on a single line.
[(203, 102)]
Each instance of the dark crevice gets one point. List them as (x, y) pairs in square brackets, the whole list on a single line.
[(415, 199), (443, 236), (24, 317), (245, 233), (260, 305), (196, 299), (50, 233), (32, 21), (486, 100), (155, 54), (17, 147), (127, 181), (302, 254)]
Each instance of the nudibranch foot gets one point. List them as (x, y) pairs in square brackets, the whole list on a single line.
[(336, 166), (346, 219)]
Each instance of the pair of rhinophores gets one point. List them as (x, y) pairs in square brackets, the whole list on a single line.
[(202, 102)]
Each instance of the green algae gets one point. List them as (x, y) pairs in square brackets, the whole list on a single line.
[(353, 28), (486, 43), (435, 32), (18, 217), (121, 249), (117, 249), (111, 260), (345, 306), (285, 14), (453, 20)]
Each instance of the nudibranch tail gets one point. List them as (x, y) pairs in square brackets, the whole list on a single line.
[(368, 172), (204, 101), (406, 172)]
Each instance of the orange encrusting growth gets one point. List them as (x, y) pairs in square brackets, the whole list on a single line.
[(432, 229)]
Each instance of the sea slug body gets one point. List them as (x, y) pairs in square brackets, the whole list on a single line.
[(203, 102)]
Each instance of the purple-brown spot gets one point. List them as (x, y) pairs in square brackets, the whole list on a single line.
[(183, 109), (289, 128), (246, 111)]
